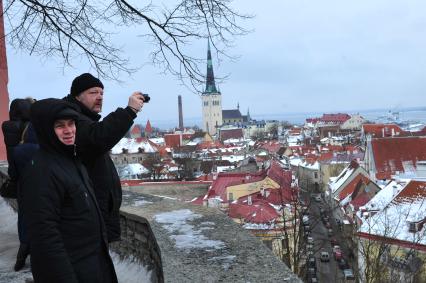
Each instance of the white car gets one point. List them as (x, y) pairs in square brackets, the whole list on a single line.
[(349, 274)]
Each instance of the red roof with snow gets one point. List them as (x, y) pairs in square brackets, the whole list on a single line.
[(390, 154), (360, 200), (274, 196), (412, 191), (272, 146), (231, 134), (136, 131), (210, 145), (224, 180), (352, 185), (279, 175), (172, 140), (259, 212), (381, 130)]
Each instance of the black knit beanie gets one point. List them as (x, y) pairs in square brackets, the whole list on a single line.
[(84, 82)]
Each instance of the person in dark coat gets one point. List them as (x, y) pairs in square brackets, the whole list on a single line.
[(96, 138), (22, 155), (21, 143), (68, 240), (19, 115)]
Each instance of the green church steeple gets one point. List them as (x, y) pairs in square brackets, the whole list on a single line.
[(210, 83)]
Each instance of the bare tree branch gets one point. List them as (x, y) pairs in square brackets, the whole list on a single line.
[(71, 30)]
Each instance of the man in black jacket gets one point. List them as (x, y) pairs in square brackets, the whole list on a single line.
[(95, 139), (68, 240)]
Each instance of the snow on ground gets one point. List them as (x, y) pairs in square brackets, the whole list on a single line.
[(185, 235), (128, 270)]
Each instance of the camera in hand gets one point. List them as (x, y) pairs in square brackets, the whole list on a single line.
[(146, 98)]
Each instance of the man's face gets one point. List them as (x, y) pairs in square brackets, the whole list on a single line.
[(65, 131), (92, 98)]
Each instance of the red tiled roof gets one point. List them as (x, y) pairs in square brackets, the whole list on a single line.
[(313, 120), (360, 200), (271, 146), (224, 180), (390, 153), (148, 128), (413, 190), (259, 212), (231, 134), (279, 175), (339, 117), (136, 130), (209, 145), (278, 196), (325, 156), (172, 140), (350, 188), (381, 130)]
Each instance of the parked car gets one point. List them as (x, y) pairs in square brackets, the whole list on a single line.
[(349, 274), (330, 232), (324, 256), (328, 225), (310, 240), (333, 241), (343, 264), (305, 220), (337, 254), (312, 280), (317, 198), (336, 248)]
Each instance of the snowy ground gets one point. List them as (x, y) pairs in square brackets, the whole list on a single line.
[(128, 271)]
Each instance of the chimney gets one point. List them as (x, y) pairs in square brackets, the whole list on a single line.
[(249, 202), (180, 112)]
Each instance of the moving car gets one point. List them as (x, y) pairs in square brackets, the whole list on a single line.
[(324, 256)]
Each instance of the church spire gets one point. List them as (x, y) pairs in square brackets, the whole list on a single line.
[(210, 84)]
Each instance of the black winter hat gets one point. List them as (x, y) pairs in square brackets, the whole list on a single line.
[(84, 82)]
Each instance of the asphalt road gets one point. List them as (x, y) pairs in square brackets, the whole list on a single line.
[(326, 271)]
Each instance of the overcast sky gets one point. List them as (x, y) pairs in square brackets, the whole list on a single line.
[(302, 56)]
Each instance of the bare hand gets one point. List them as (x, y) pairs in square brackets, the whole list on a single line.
[(136, 101)]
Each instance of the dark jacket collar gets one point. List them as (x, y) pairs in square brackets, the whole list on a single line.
[(82, 108)]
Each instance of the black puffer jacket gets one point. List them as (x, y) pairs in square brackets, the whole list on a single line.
[(67, 235), (95, 139), (19, 115)]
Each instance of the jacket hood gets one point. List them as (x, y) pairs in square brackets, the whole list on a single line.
[(20, 110), (82, 108), (44, 113)]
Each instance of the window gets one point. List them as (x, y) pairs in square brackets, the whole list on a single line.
[(412, 227), (316, 175)]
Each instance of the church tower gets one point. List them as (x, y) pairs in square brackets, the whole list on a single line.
[(211, 100), (4, 95)]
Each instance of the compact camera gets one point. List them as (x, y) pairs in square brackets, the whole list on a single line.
[(146, 98)]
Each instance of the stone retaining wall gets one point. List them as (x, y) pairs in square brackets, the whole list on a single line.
[(138, 242)]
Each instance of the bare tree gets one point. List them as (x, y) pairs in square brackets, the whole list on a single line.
[(381, 255), (81, 29)]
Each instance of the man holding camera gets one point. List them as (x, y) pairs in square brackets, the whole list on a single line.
[(96, 138)]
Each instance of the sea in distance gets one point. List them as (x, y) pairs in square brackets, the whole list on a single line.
[(405, 116)]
